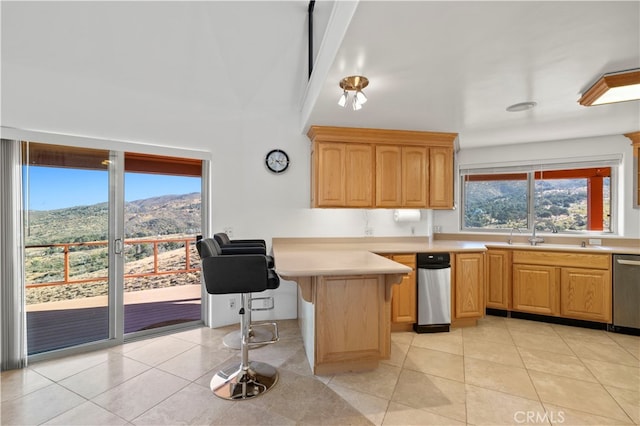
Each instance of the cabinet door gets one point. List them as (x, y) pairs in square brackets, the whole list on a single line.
[(469, 285), (359, 175), (403, 296), (415, 177), (535, 289), (330, 174), (586, 294), (498, 281), (346, 330), (441, 178), (388, 176)]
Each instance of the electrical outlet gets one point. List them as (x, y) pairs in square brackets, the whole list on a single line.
[(437, 229), (232, 303), (595, 241), (229, 231), (368, 231)]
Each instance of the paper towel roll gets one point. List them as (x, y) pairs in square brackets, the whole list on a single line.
[(406, 215)]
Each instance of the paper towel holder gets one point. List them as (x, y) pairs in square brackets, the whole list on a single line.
[(406, 215)]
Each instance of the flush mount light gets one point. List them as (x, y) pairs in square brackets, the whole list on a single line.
[(522, 106), (353, 83), (613, 87)]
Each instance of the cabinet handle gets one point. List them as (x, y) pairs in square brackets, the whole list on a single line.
[(628, 262)]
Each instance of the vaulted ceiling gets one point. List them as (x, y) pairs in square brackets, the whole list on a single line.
[(449, 66)]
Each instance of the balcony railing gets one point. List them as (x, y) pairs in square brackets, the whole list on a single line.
[(67, 249)]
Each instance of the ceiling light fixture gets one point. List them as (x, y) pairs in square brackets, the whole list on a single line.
[(613, 87), (353, 83), (522, 106)]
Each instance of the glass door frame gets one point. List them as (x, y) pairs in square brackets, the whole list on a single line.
[(116, 226)]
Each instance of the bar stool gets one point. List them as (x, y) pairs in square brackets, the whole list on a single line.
[(244, 274), (258, 336)]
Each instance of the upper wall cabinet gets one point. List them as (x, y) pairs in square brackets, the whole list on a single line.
[(355, 167), (635, 139)]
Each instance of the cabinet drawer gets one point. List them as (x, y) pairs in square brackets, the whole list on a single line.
[(405, 259), (557, 258)]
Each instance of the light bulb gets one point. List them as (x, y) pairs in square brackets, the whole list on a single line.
[(361, 97), (343, 99), (356, 105)]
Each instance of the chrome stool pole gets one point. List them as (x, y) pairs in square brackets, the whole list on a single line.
[(250, 378)]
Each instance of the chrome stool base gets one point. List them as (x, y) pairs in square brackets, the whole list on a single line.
[(236, 383), (258, 337)]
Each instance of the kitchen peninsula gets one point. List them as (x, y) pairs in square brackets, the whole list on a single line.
[(344, 303)]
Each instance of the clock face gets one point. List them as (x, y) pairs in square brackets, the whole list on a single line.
[(277, 161)]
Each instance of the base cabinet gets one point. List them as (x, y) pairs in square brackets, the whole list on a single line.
[(467, 287), (565, 284), (498, 279), (404, 295), (535, 289), (585, 294)]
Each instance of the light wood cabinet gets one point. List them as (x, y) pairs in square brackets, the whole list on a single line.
[(401, 176), (498, 279), (585, 294), (404, 295), (346, 330), (415, 177), (388, 176), (468, 286), (355, 167), (535, 289), (566, 284), (344, 175), (441, 178)]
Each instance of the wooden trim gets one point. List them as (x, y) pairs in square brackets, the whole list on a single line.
[(147, 163), (548, 174), (49, 155), (635, 138), (380, 136), (605, 83)]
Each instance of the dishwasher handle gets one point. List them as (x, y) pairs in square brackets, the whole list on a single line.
[(628, 262)]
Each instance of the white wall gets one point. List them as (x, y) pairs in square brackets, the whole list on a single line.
[(628, 218)]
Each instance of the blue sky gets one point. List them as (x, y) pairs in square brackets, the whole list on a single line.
[(53, 188)]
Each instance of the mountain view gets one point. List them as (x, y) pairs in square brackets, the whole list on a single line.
[(157, 218), (165, 215), (502, 204)]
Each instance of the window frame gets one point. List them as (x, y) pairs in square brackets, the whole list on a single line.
[(530, 169)]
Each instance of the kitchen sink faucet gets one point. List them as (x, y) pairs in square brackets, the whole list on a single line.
[(533, 240)]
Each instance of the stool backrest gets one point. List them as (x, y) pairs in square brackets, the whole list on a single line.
[(222, 239), (241, 273), (207, 247)]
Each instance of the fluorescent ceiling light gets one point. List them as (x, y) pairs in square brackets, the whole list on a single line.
[(615, 87)]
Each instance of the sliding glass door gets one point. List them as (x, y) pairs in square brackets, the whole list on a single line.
[(66, 228), (109, 244), (162, 218)]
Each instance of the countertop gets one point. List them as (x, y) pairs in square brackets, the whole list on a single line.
[(303, 257), (300, 257), (307, 263)]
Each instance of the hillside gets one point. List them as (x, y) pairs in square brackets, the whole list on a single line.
[(165, 215)]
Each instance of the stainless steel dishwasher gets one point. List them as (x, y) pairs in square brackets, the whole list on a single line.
[(626, 293), (434, 292)]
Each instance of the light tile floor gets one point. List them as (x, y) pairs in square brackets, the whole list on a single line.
[(505, 371)]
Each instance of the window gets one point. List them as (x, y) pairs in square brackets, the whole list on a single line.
[(556, 200)]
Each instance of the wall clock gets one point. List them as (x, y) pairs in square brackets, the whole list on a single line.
[(277, 161)]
